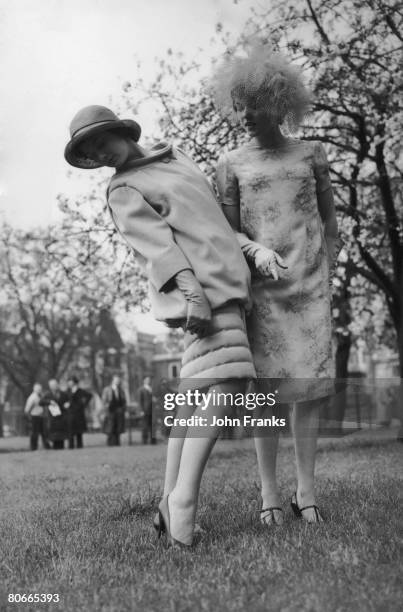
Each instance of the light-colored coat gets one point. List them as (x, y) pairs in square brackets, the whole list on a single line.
[(32, 406), (167, 211)]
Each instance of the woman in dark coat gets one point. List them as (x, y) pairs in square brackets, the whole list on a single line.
[(78, 401), (56, 402)]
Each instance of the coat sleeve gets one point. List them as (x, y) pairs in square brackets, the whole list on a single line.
[(29, 405), (106, 398), (45, 400), (148, 234), (86, 397), (63, 399)]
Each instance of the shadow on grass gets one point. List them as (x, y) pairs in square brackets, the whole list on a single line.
[(14, 450), (356, 444)]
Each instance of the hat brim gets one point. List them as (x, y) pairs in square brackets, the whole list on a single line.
[(74, 156)]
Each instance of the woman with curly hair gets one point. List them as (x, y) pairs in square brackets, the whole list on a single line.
[(276, 193)]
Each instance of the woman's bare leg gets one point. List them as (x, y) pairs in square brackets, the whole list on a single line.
[(266, 444), (305, 424), (266, 451), (196, 450), (174, 449)]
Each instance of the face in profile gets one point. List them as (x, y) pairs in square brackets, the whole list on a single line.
[(116, 381), (110, 149)]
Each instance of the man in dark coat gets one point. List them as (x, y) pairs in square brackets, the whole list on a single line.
[(114, 401), (146, 407), (164, 388), (56, 402), (78, 400)]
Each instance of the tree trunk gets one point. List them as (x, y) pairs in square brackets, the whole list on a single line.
[(341, 302), (399, 334), (339, 403), (400, 391)]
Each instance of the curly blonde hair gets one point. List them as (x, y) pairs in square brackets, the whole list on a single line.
[(262, 79)]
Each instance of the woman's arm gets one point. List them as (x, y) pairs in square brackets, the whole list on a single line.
[(327, 212), (233, 217), (266, 261), (324, 193), (248, 246)]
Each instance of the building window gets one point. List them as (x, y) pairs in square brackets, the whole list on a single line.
[(173, 370)]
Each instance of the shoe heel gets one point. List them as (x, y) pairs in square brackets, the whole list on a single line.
[(295, 507), (165, 526), (298, 510), (161, 526), (157, 524)]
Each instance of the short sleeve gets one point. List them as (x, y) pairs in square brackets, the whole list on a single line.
[(148, 234), (321, 169), (227, 183), (29, 405)]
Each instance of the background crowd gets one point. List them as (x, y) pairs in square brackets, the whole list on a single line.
[(61, 414)]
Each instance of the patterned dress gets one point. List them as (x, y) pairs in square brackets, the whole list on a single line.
[(289, 328)]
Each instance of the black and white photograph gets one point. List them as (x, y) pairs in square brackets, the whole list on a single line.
[(201, 305)]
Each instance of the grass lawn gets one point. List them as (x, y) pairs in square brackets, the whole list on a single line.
[(66, 527)]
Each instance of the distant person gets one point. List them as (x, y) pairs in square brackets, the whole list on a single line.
[(36, 415), (96, 413), (164, 388), (146, 406), (56, 402), (78, 401), (114, 401)]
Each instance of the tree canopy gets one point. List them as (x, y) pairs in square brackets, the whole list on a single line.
[(55, 279), (351, 52)]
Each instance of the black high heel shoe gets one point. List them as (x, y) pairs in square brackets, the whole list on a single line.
[(198, 531), (298, 511), (164, 526)]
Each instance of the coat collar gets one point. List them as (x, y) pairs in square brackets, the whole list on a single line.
[(157, 152)]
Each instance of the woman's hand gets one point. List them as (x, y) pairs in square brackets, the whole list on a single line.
[(269, 263), (199, 318), (198, 310)]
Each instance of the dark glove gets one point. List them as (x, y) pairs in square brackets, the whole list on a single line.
[(199, 310)]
